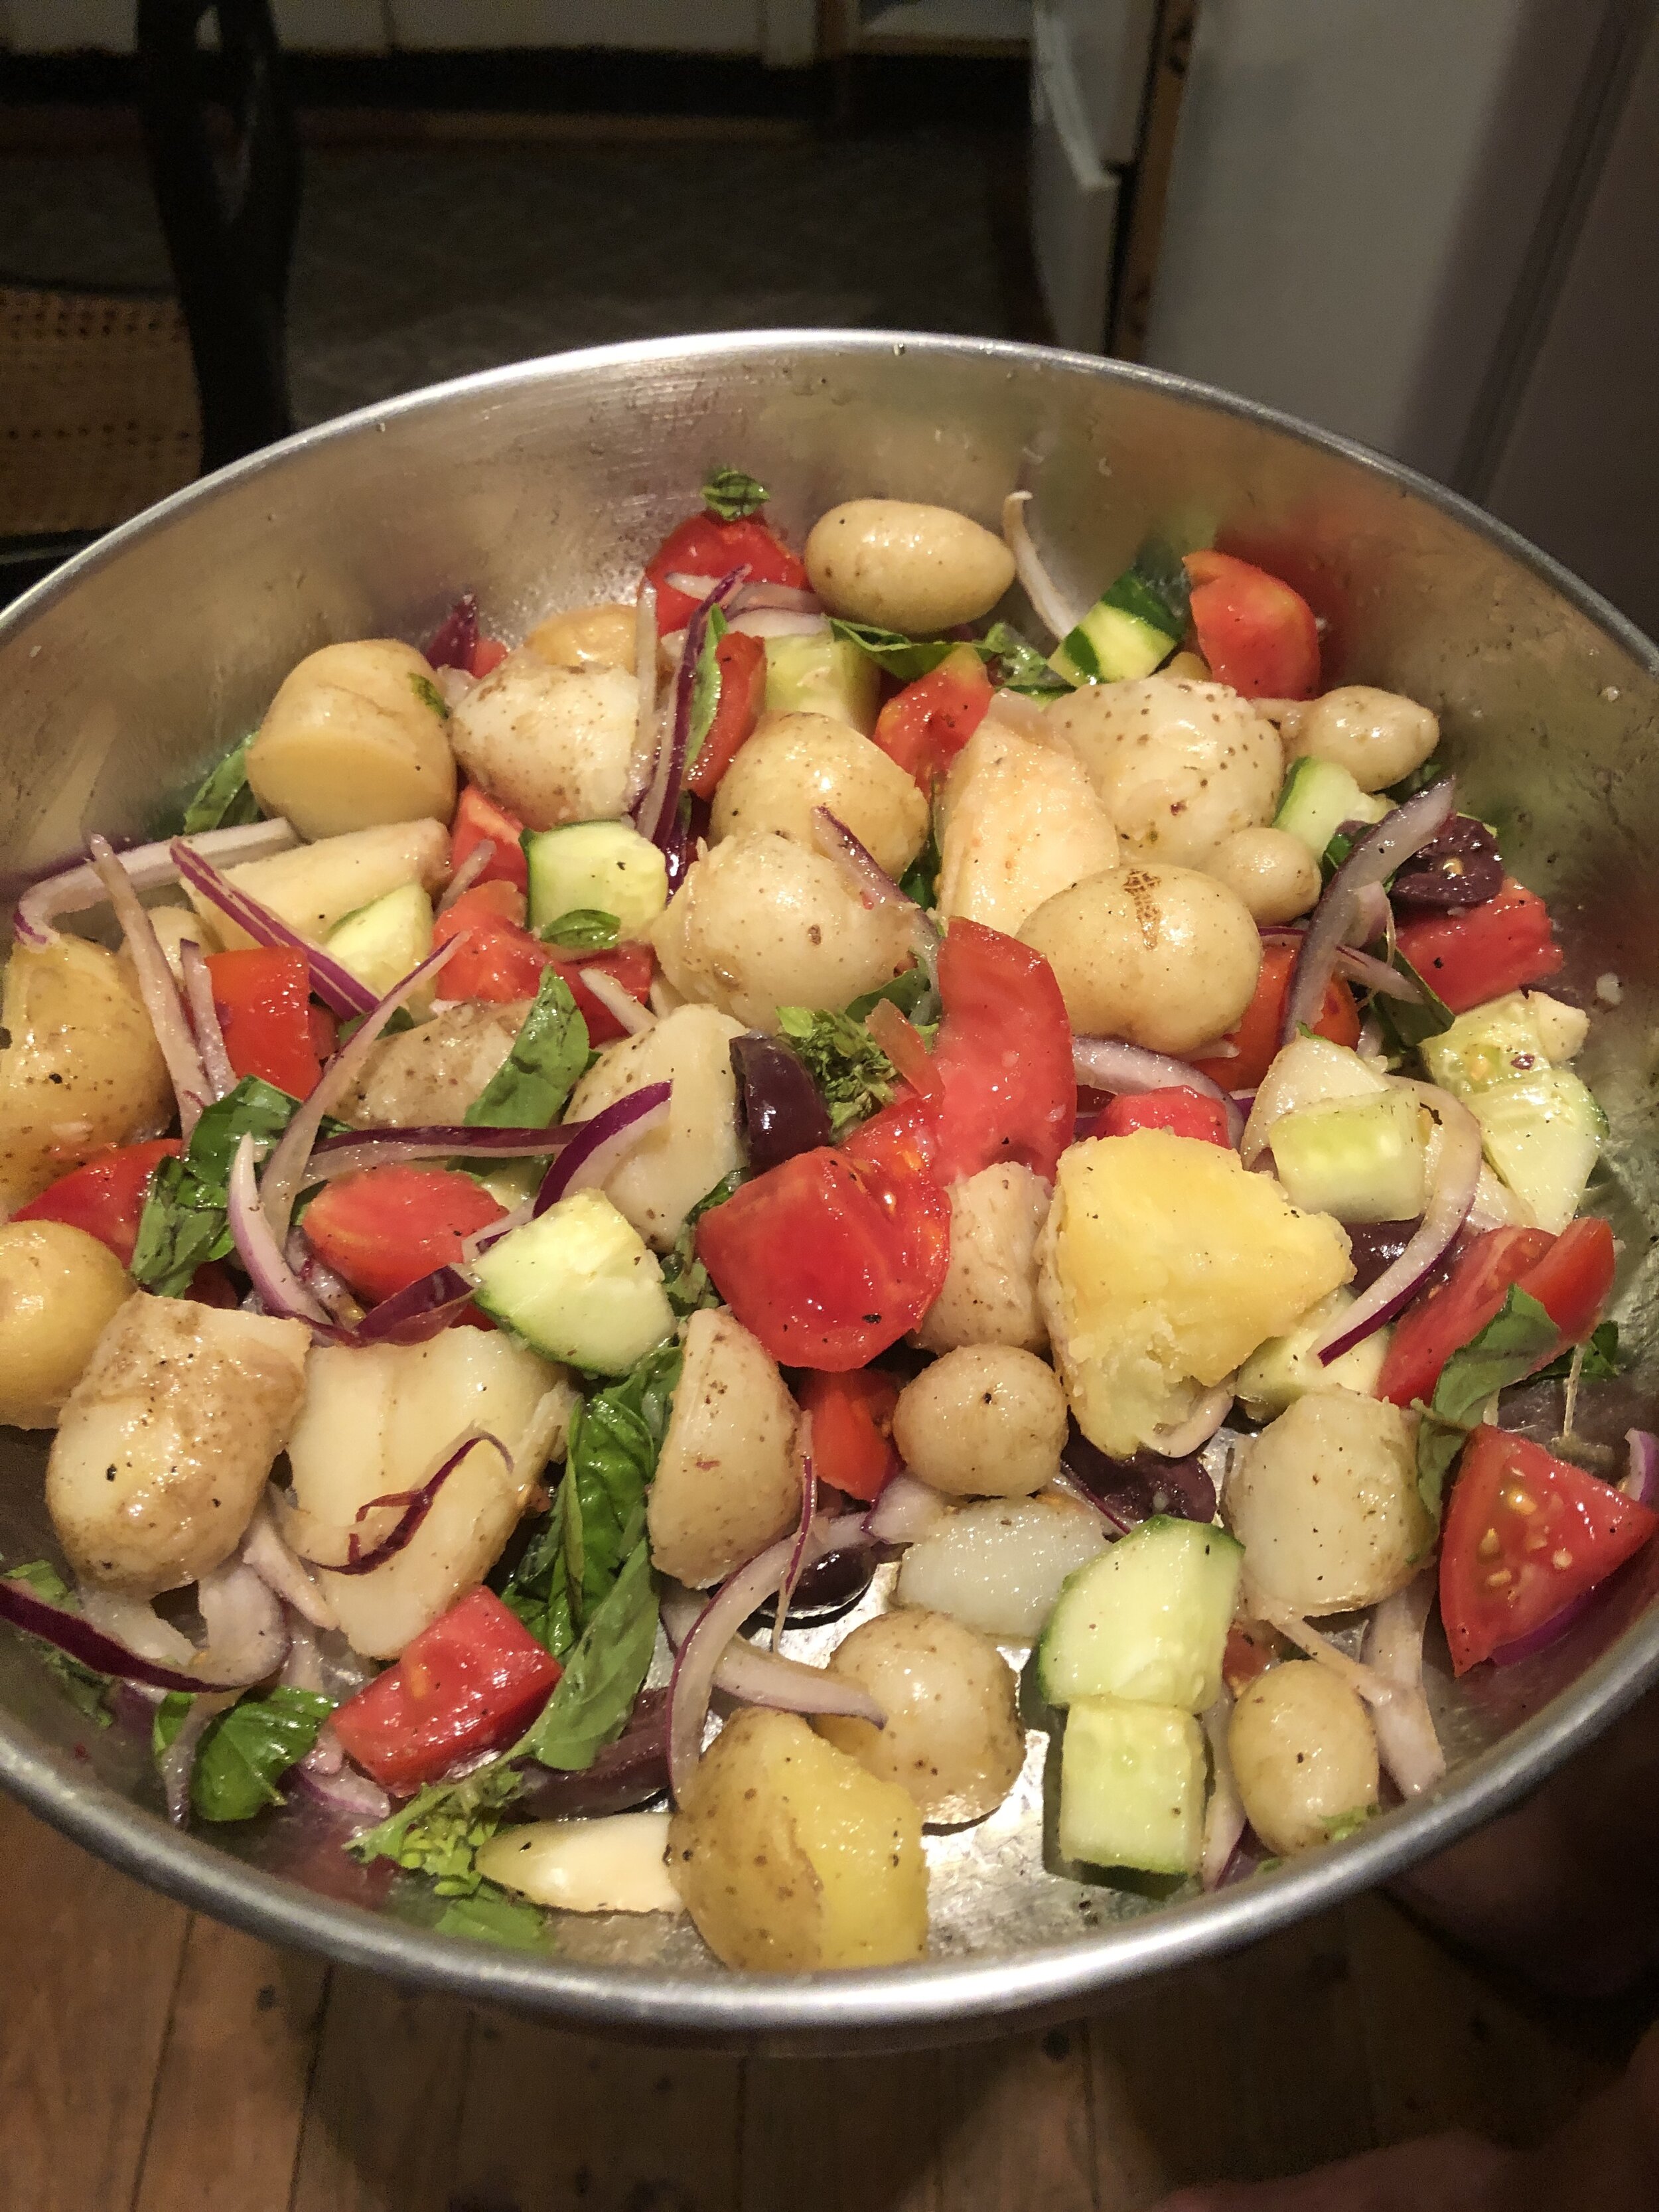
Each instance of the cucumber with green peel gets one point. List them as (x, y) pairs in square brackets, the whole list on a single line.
[(1134, 626), (822, 675), (1543, 1133), (1511, 1036), (603, 867), (1284, 1368), (381, 942), (1147, 1620), (1318, 798), (577, 1283), (1131, 1786), (1361, 1159)]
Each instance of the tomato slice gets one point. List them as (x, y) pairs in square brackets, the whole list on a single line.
[(1003, 1056), (741, 660), (1570, 1276), (1526, 1534), (487, 655), (262, 999), (478, 816), (1184, 1113), (924, 726), (830, 1258), (1256, 1037), (385, 1227), (707, 546), (502, 962), (853, 1447), (1255, 632), (106, 1197), (474, 1680), (1486, 951)]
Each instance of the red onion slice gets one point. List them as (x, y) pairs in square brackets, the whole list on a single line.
[(359, 1149), (618, 1002), (1405, 1736), (329, 1779), (157, 989), (1548, 1633), (468, 873), (874, 887), (413, 1506), (598, 1143), (780, 622), (279, 1290), (1048, 602), (72, 890), (204, 1019), (337, 986), (644, 678), (1457, 1172), (77, 1638), (1373, 859), (659, 810), (281, 1571), (1642, 1482), (906, 1510), (1129, 1070), (1224, 1816), (419, 1311), (177, 1764), (456, 639), (809, 1506), (789, 598)]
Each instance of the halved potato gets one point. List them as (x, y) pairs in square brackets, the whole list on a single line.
[(726, 1484), (355, 736)]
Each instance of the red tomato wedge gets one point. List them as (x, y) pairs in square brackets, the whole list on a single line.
[(1003, 1057), (1256, 1037), (1478, 955), (853, 1447), (1255, 632), (262, 999), (1184, 1113), (478, 817), (828, 1258), (502, 962), (105, 1198), (924, 726), (385, 1227), (474, 1680), (1526, 1535), (706, 546), (742, 663), (1570, 1276), (487, 656)]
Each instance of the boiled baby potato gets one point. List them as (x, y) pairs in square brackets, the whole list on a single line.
[(1377, 736), (726, 1484), (587, 637), (1274, 873), (762, 923), (1325, 1502), (1304, 1754), (315, 886), (791, 1857), (1161, 957), (990, 1290), (379, 1419), (82, 1068), (952, 1739), (428, 1077), (903, 566), (58, 1288), (661, 1176), (166, 1441), (1178, 766), (555, 745), (1018, 822), (355, 736), (795, 764), (985, 1421)]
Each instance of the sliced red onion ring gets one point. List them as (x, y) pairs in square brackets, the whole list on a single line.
[(658, 811), (75, 1636), (355, 1150), (599, 1142), (1642, 1483), (413, 1506), (247, 1638), (337, 986), (204, 1019), (468, 873), (874, 886), (1405, 1736), (1548, 1633), (1224, 1816), (285, 1170), (328, 1779), (1363, 1680), (146, 867), (284, 1571), (156, 988), (456, 639), (618, 1002), (1130, 1070), (279, 1290), (177, 1764), (1376, 975), (1457, 1172), (1372, 916), (756, 593), (809, 1506), (1373, 859), (1048, 602), (780, 622), (421, 1310), (905, 1511), (644, 678), (1182, 1440), (335, 1297)]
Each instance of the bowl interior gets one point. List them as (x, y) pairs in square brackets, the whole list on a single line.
[(545, 486)]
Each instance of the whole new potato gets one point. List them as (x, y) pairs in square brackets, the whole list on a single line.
[(1303, 1752), (554, 744), (1377, 736), (987, 1420), (795, 764), (952, 1738), (1162, 957), (355, 736), (58, 1287), (1274, 873), (1178, 765), (903, 566)]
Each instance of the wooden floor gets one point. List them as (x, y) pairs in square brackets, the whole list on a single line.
[(154, 2062)]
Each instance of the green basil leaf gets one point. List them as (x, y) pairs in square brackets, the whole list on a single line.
[(1602, 1358), (429, 696), (850, 1069), (584, 929), (1505, 1351), (910, 993), (732, 494), (490, 1916), (184, 1221), (705, 689), (86, 1690), (685, 1278), (604, 1675), (1404, 1025), (530, 1088), (244, 1751), (224, 799), (1021, 667), (904, 659)]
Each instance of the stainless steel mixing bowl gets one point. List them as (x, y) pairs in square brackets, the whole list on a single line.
[(545, 485)]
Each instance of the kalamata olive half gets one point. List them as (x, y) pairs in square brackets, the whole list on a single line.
[(830, 1587), (782, 1112), (626, 1773), (1131, 1491), (1460, 867)]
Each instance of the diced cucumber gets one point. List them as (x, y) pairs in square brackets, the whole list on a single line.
[(383, 941), (822, 675), (1362, 1160), (578, 1284), (1284, 1368), (606, 865), (1543, 1133), (1147, 1620), (1318, 798), (1131, 1786), (1562, 1029), (1134, 626), (1506, 1037)]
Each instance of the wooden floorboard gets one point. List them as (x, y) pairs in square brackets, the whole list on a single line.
[(154, 2062)]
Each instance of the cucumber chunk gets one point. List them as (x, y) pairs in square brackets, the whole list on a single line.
[(1284, 1368), (578, 1284), (1147, 1620), (1318, 798), (1362, 1160), (383, 941), (1134, 626), (1131, 1786), (823, 675), (1543, 1133), (1506, 1037), (606, 865)]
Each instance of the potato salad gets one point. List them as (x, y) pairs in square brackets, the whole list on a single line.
[(843, 1094)]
